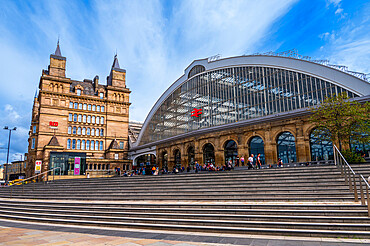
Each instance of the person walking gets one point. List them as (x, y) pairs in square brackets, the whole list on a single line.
[(242, 160), (258, 161), (250, 162)]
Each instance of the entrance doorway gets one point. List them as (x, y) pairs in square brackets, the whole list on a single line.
[(209, 154), (231, 151)]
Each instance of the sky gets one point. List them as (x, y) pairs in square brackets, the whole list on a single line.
[(156, 40)]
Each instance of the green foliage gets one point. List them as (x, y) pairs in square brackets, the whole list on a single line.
[(352, 157), (344, 119)]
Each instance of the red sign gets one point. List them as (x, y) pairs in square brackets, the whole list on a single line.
[(196, 112), (52, 123)]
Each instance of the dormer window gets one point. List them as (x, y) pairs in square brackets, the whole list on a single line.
[(78, 92), (101, 95)]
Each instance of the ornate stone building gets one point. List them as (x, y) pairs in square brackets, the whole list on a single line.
[(223, 109), (79, 127)]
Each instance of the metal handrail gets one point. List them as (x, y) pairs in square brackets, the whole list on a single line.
[(343, 165), (38, 175)]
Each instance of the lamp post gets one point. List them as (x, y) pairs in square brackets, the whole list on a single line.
[(7, 156)]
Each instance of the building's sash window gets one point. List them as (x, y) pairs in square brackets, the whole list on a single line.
[(69, 144), (88, 132), (93, 108), (97, 119), (33, 143), (84, 118), (98, 108), (78, 144), (34, 129), (101, 132), (70, 104), (102, 120), (70, 117), (121, 144), (83, 144), (92, 144), (84, 131), (87, 144), (74, 130), (78, 92), (79, 131), (74, 144), (75, 117), (92, 131), (84, 106), (79, 118), (89, 107), (89, 119), (97, 145), (76, 106), (80, 106), (69, 130), (101, 94), (102, 109)]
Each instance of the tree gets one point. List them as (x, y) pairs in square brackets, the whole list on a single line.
[(342, 119)]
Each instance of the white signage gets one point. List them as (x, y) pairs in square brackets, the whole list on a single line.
[(38, 166)]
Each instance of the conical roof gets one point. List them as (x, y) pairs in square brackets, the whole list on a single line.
[(57, 50), (115, 62)]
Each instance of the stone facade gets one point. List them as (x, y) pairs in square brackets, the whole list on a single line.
[(300, 127), (67, 113)]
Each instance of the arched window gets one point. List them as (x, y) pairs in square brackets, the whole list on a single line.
[(85, 106), (76, 106), (70, 104), (78, 92), (101, 132), (75, 117), (88, 132), (286, 147), (74, 130), (96, 145), (78, 144), (69, 130), (69, 144), (92, 145), (87, 144), (97, 120), (177, 155), (74, 144), (80, 106), (92, 131), (89, 119), (84, 131), (70, 117), (208, 153), (79, 118), (84, 119), (321, 146), (98, 108), (93, 119), (93, 107), (89, 107), (95, 166), (83, 144), (97, 132), (191, 156), (101, 95), (256, 146), (99, 166), (79, 131), (102, 109), (231, 151), (102, 120), (101, 145), (164, 159)]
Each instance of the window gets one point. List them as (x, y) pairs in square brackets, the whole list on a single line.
[(102, 109), (78, 92), (80, 106), (78, 144), (88, 131), (92, 131), (97, 132), (93, 119), (83, 144), (34, 129), (101, 145), (85, 106), (97, 145), (101, 94), (84, 131), (68, 143), (75, 117), (89, 107), (102, 120), (93, 108), (101, 132), (121, 145), (70, 117), (98, 108), (76, 105), (74, 130), (89, 119), (97, 119), (79, 118), (70, 104), (84, 119), (69, 130), (92, 145), (33, 143), (116, 156), (74, 144), (87, 144), (79, 131)]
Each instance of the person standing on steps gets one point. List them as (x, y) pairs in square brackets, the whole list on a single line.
[(242, 160), (250, 162), (258, 161)]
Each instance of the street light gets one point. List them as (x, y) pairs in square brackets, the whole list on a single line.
[(7, 156)]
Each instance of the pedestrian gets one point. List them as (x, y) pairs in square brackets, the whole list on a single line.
[(258, 161), (280, 162), (237, 160), (250, 162), (242, 160)]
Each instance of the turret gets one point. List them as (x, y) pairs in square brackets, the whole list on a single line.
[(57, 65), (117, 75)]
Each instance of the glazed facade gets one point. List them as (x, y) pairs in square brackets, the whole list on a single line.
[(235, 94)]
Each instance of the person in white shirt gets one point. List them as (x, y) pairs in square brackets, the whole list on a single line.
[(250, 162)]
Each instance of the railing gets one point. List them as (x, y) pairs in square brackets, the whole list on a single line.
[(31, 178), (350, 179)]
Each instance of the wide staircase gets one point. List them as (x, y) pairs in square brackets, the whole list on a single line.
[(296, 201)]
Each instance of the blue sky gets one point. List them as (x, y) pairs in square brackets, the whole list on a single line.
[(156, 40)]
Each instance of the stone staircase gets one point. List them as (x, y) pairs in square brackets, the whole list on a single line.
[(296, 201)]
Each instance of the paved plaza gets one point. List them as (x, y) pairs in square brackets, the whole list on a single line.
[(40, 234)]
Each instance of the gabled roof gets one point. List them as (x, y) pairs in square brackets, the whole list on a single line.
[(114, 144), (53, 141)]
